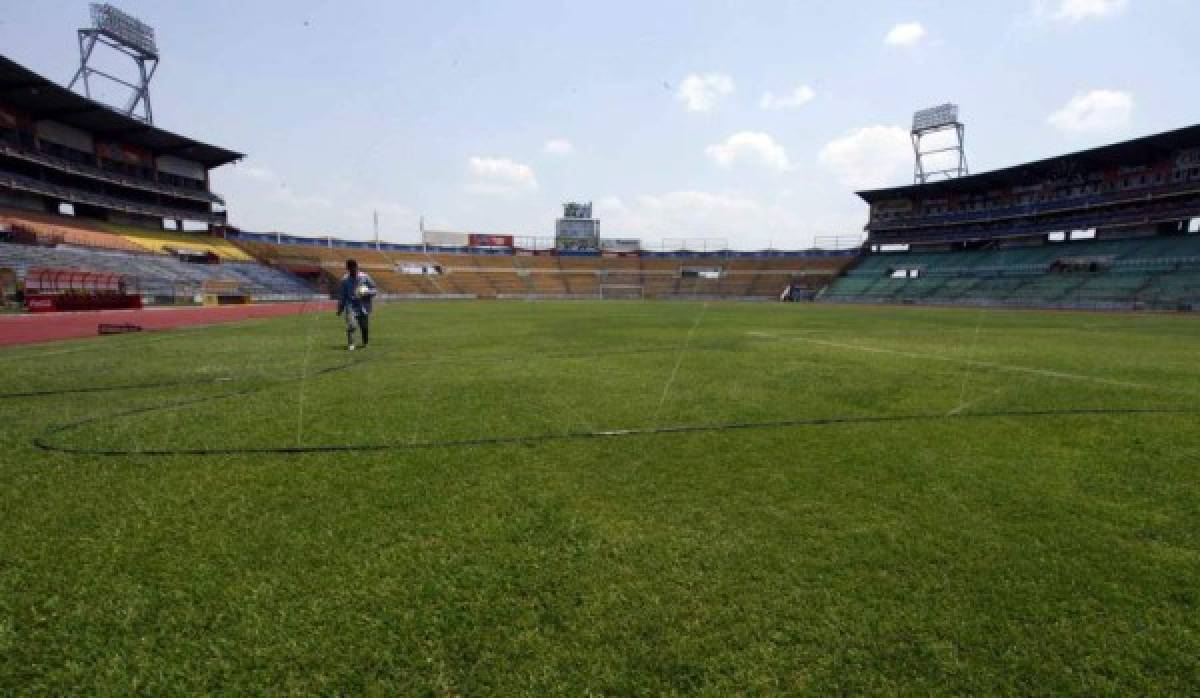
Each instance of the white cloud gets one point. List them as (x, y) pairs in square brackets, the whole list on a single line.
[(1077, 10), (905, 34), (869, 157), (560, 147), (499, 176), (799, 97), (1097, 111), (702, 92), (744, 220), (749, 146)]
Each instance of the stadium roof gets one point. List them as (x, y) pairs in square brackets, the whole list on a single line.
[(43, 99), (1123, 153)]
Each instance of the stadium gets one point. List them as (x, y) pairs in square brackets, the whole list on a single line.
[(956, 455)]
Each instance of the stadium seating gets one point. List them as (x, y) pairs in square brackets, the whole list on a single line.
[(553, 276), (166, 242), (69, 230), (158, 275), (1152, 272)]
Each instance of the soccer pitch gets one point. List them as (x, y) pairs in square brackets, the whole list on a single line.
[(501, 498)]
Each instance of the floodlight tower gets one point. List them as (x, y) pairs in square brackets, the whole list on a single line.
[(936, 120), (130, 36)]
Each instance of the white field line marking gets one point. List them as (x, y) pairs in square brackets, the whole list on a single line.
[(971, 403), (783, 332), (678, 360), (962, 393), (94, 348), (1010, 368), (412, 439), (576, 415), (153, 336), (304, 380)]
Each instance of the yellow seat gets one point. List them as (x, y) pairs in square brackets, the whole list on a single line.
[(164, 241), (72, 231)]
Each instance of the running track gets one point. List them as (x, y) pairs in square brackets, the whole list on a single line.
[(46, 327)]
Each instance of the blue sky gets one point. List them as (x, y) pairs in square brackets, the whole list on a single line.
[(485, 116)]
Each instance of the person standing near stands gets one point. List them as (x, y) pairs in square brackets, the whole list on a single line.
[(355, 294)]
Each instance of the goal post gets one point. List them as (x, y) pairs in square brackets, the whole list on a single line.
[(625, 292)]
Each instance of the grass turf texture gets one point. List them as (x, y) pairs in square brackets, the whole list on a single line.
[(950, 555)]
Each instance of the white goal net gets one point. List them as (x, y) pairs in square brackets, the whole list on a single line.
[(621, 292)]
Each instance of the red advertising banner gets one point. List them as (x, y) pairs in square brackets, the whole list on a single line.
[(68, 302), (39, 303), (487, 240)]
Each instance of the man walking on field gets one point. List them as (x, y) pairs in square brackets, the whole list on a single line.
[(355, 294)]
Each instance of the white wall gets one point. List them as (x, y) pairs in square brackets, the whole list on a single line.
[(434, 237)]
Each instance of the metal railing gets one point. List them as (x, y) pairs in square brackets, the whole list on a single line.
[(74, 195), (84, 170)]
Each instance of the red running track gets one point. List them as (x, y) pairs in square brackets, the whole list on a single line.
[(46, 327)]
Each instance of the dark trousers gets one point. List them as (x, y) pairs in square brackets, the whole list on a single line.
[(360, 322)]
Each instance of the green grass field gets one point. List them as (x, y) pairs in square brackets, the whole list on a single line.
[(914, 501)]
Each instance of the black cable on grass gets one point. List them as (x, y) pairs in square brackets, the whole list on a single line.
[(43, 443), (105, 389), (432, 359), (43, 440)]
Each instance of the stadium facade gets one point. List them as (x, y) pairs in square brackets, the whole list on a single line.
[(1146, 185), (58, 147), (1113, 227)]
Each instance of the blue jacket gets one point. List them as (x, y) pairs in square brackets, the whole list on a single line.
[(349, 297)]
